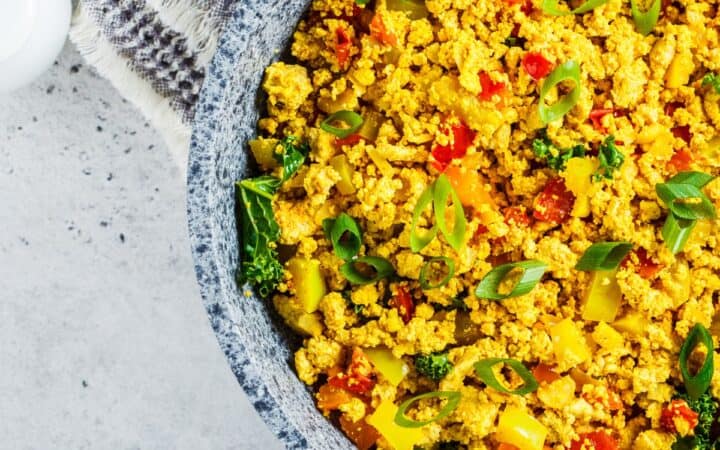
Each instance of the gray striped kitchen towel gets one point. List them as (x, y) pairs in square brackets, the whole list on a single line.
[(155, 52)]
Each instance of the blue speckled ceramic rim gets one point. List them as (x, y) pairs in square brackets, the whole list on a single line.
[(256, 344)]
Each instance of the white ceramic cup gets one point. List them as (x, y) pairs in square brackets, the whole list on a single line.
[(32, 33)]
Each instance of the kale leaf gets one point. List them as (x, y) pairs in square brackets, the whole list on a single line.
[(712, 80), (260, 231), (556, 158), (610, 159), (706, 406)]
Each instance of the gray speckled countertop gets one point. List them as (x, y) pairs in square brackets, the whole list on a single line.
[(104, 343)]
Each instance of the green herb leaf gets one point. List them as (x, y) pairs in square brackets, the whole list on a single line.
[(443, 190), (569, 71), (676, 232), (484, 371), (530, 273), (292, 157), (712, 80), (556, 158), (645, 20), (697, 384), (419, 240), (604, 256), (686, 201), (260, 266), (610, 159), (697, 179), (381, 266), (344, 234), (428, 266), (551, 7), (353, 121), (706, 406), (453, 399)]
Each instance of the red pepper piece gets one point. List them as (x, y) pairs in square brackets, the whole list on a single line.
[(596, 116), (536, 65), (595, 440), (359, 376), (342, 46), (490, 87), (554, 203), (462, 138), (350, 140), (361, 433), (527, 7), (682, 132), (646, 267), (678, 417), (403, 302), (515, 215), (379, 32), (681, 160)]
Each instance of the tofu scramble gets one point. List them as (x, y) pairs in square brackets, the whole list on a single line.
[(494, 221)]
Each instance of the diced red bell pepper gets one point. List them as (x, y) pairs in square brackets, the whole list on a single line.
[(682, 132), (379, 32), (343, 43), (544, 373), (527, 7), (611, 401), (515, 215), (359, 376), (404, 303), (350, 140), (554, 203), (330, 398), (490, 87), (596, 116), (595, 440), (678, 417), (462, 138), (361, 433), (646, 267), (681, 160), (536, 65)]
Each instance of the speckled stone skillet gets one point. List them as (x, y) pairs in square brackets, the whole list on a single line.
[(256, 343)]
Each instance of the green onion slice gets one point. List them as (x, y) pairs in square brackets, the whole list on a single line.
[(604, 256), (419, 240), (414, 9), (427, 267), (551, 7), (645, 20), (353, 120), (484, 371), (697, 179), (697, 384), (676, 232), (361, 2), (344, 234), (382, 267), (443, 190), (453, 399), (530, 273), (686, 201), (567, 71)]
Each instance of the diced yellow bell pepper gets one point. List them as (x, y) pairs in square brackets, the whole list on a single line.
[(578, 180), (292, 311), (632, 323), (678, 73), (569, 343), (342, 166), (471, 189), (392, 368), (264, 152), (518, 428), (607, 337), (346, 100), (400, 438), (308, 281), (603, 297)]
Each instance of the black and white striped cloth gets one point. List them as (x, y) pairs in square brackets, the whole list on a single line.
[(155, 52)]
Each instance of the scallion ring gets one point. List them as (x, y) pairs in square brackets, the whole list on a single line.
[(352, 119), (645, 20), (567, 71), (344, 234), (551, 7), (697, 179), (604, 256), (484, 371), (427, 267), (676, 232), (443, 190), (686, 201), (453, 399), (529, 274), (419, 240), (414, 9), (697, 384), (382, 267)]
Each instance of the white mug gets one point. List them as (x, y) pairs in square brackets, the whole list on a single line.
[(32, 33)]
